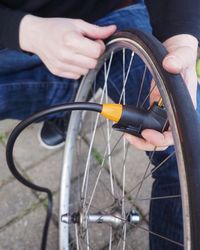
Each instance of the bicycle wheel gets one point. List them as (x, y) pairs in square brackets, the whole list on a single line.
[(105, 188)]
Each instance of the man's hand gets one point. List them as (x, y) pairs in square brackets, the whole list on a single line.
[(181, 59), (68, 47)]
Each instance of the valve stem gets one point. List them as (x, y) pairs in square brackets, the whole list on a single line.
[(160, 102)]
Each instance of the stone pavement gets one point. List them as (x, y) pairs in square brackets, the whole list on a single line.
[(22, 211)]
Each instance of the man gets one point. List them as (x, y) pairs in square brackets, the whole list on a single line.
[(44, 53)]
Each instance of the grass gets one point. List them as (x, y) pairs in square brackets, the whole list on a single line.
[(198, 68), (2, 138)]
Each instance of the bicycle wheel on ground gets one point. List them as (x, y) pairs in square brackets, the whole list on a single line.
[(106, 183)]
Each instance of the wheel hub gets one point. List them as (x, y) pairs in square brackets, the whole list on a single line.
[(113, 219)]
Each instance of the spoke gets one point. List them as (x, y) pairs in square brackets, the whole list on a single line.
[(76, 233), (160, 197), (125, 147), (125, 150), (126, 78), (110, 239), (85, 178), (124, 236), (108, 142), (124, 63), (146, 98), (87, 239), (150, 232), (156, 168), (145, 173), (125, 153), (94, 189), (109, 148), (158, 235), (99, 174), (118, 245), (84, 242), (104, 160), (71, 243), (141, 86)]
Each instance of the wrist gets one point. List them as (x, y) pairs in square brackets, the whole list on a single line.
[(28, 32)]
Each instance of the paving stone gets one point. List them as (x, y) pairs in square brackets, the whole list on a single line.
[(56, 200), (15, 198), (27, 232), (28, 150), (79, 158), (7, 125), (48, 172), (5, 173)]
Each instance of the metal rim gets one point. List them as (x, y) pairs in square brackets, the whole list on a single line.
[(73, 130)]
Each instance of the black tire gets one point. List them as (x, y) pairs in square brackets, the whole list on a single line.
[(183, 121)]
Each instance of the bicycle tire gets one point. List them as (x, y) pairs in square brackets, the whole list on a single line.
[(180, 113)]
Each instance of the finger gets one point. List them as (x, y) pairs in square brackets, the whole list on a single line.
[(139, 143), (97, 32), (178, 60), (158, 139), (160, 148), (68, 71), (101, 43), (69, 75), (80, 60), (73, 69), (84, 46)]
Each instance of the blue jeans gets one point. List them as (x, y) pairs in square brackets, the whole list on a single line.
[(26, 86)]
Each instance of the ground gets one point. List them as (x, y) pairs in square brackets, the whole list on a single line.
[(23, 210)]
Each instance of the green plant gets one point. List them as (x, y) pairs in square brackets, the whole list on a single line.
[(198, 67)]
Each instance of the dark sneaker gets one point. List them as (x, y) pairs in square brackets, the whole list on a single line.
[(53, 132)]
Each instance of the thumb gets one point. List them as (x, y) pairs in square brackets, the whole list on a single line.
[(97, 32), (178, 60)]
